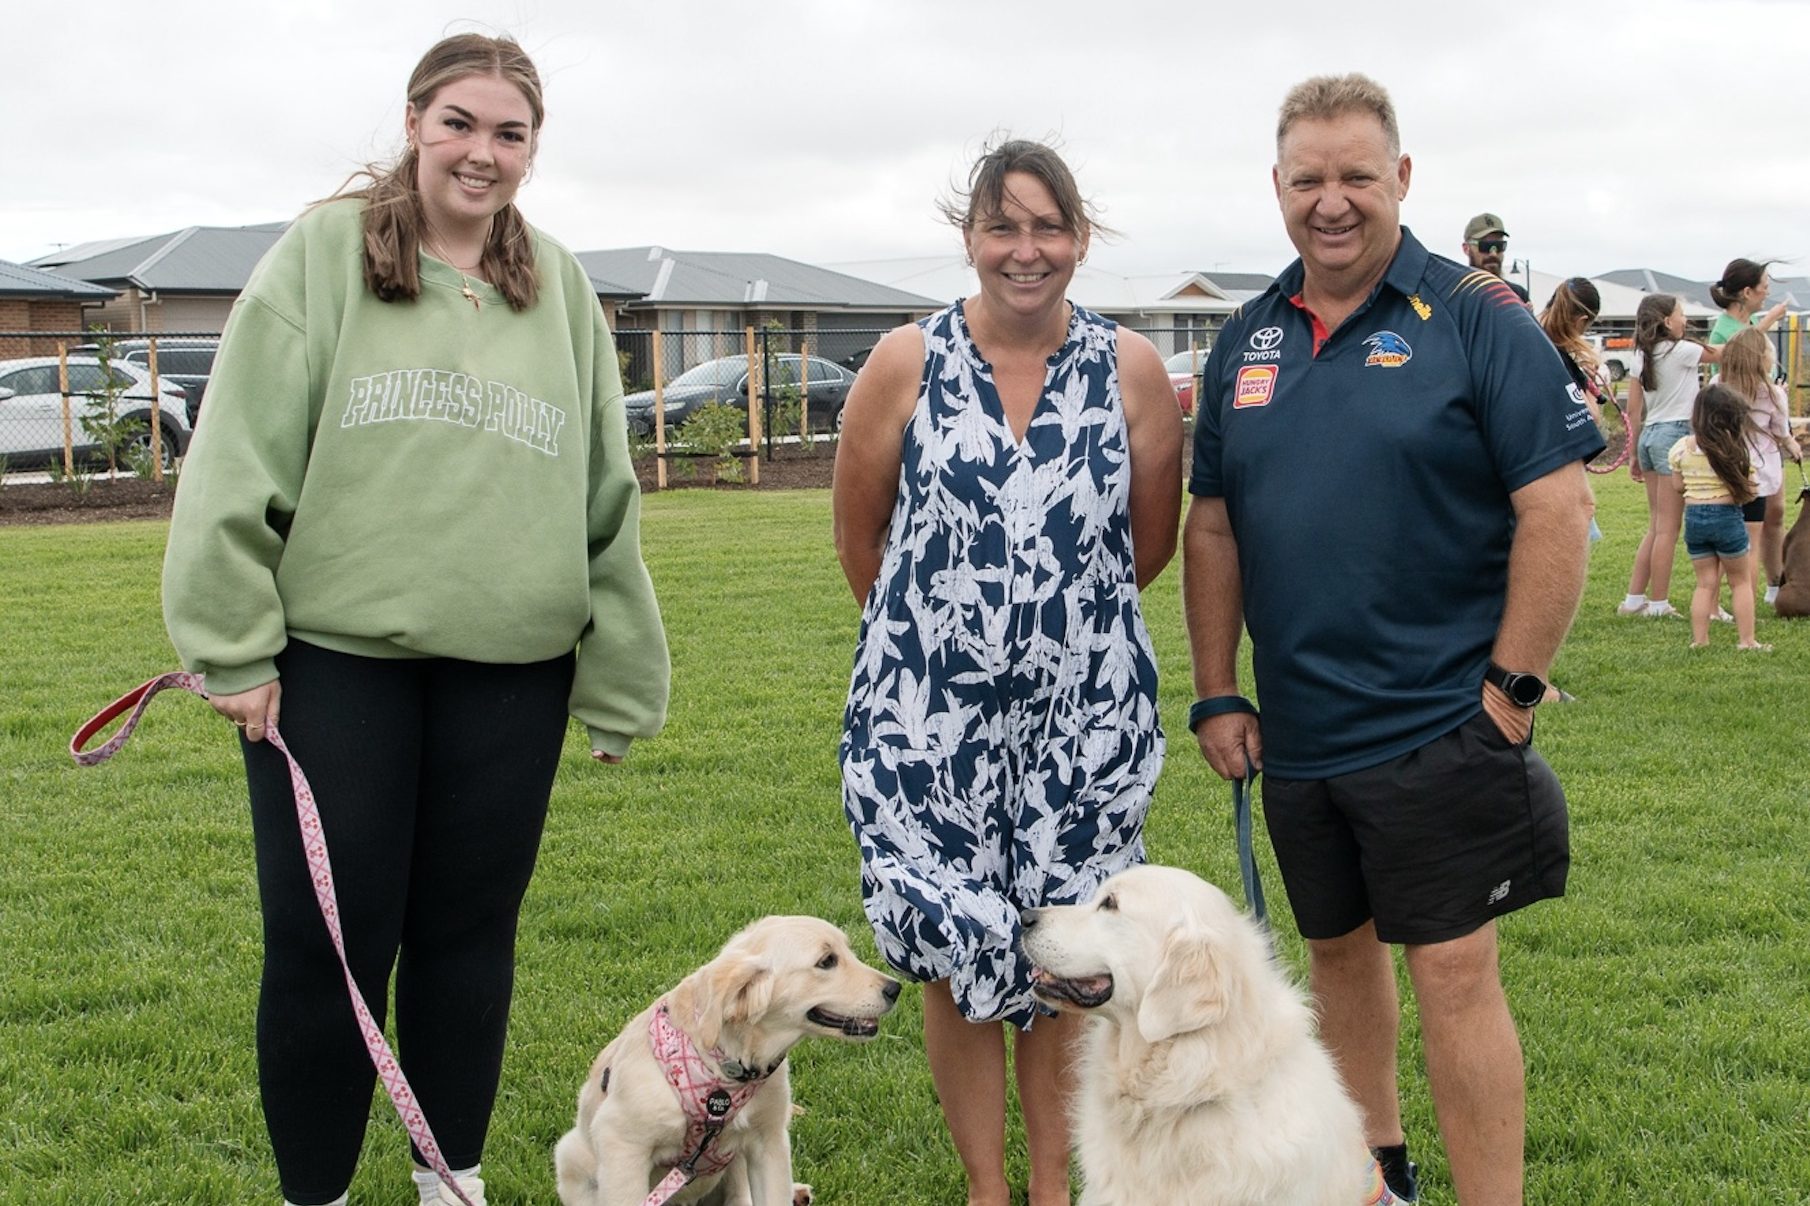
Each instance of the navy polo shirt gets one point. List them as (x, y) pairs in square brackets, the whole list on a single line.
[(1367, 474)]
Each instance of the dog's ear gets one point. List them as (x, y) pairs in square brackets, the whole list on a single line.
[(1189, 989), (744, 986), (695, 1007)]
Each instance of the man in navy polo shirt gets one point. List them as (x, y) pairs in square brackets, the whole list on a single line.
[(1390, 496)]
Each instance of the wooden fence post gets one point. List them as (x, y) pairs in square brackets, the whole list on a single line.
[(156, 417), (659, 415), (804, 391), (68, 425), (756, 385)]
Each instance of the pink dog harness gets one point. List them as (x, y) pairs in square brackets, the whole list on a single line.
[(315, 846), (709, 1102)]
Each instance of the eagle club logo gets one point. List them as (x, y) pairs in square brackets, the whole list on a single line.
[(1255, 385), (1388, 350), (1264, 345)]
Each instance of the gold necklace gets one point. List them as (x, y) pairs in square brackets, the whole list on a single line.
[(434, 245)]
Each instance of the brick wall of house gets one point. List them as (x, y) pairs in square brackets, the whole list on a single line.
[(30, 314)]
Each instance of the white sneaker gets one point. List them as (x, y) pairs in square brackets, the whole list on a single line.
[(1659, 609), (1722, 616), (435, 1193), (1633, 608)]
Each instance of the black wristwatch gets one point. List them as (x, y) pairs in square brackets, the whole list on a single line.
[(1523, 690)]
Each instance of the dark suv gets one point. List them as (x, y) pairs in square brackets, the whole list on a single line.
[(184, 362)]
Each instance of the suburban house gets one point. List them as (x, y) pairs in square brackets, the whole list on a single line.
[(34, 300), (1175, 309), (187, 281), (703, 301)]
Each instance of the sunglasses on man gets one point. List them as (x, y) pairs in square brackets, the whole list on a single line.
[(1491, 246)]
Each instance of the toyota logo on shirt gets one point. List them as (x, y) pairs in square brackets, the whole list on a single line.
[(1263, 345)]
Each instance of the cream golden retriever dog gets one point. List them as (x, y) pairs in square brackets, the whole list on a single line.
[(709, 1059), (1200, 1079)]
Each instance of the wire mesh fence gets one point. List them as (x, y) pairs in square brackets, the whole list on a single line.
[(87, 400)]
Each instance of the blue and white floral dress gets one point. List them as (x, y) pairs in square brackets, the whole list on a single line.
[(1001, 738)]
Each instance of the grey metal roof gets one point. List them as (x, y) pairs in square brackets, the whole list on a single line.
[(200, 259), (733, 279), (18, 280), (203, 259), (1649, 280)]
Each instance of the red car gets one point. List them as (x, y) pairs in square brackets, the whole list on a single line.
[(1184, 370)]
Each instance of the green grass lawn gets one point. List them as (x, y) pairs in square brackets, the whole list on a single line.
[(1664, 1006)]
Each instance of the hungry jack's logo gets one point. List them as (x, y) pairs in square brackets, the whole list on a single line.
[(1255, 384)]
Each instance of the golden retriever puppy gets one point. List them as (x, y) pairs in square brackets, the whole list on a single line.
[(1200, 1079), (693, 1097)]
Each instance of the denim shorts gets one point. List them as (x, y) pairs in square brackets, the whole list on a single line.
[(1656, 439), (1714, 530)]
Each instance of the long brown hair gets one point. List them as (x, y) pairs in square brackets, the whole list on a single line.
[(1649, 331), (1743, 366), (1574, 306), (393, 217), (1719, 423)]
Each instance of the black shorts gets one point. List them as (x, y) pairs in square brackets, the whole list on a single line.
[(1431, 844), (1754, 510)]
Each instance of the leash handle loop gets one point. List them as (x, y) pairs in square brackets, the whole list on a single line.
[(314, 845)]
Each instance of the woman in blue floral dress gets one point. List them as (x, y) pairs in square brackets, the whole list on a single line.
[(1008, 480)]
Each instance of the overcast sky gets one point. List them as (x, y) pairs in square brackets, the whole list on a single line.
[(1607, 135)]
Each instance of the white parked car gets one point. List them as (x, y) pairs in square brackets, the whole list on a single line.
[(31, 410)]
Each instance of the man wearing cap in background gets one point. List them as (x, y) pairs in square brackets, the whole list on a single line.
[(1485, 242)]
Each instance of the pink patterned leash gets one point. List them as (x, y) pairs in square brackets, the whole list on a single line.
[(315, 845)]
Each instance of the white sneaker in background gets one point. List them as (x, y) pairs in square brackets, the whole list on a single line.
[(1660, 609), (1722, 616), (1633, 605)]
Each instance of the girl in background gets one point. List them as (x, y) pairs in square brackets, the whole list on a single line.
[(1713, 472), (1748, 364), (1659, 415)]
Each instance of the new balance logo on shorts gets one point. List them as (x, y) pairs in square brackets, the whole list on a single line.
[(1500, 891)]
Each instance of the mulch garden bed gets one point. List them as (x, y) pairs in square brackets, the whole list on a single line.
[(131, 498)]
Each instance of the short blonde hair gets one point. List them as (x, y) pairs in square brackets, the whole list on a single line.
[(1325, 97)]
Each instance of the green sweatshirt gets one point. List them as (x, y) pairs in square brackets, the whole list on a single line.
[(415, 479)]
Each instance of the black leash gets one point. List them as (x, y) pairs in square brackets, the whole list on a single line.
[(1205, 709), (1247, 850)]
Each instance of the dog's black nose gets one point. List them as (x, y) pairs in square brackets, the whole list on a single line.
[(891, 990), (1027, 918)]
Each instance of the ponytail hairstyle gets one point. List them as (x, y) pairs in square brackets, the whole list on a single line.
[(1649, 330), (1719, 423), (393, 217), (1574, 306), (1744, 364), (1739, 275)]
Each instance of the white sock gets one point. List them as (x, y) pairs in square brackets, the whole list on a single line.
[(1633, 601), (427, 1181), (1772, 593)]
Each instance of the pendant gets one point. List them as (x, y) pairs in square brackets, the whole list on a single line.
[(465, 289)]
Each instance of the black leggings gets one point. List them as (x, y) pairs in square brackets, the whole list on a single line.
[(432, 778)]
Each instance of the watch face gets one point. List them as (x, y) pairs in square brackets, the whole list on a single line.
[(1525, 690)]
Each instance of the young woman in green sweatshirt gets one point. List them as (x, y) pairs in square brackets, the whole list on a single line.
[(408, 534)]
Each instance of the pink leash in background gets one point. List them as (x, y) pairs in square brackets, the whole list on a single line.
[(315, 846)]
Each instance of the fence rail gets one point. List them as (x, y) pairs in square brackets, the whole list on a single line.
[(688, 393)]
